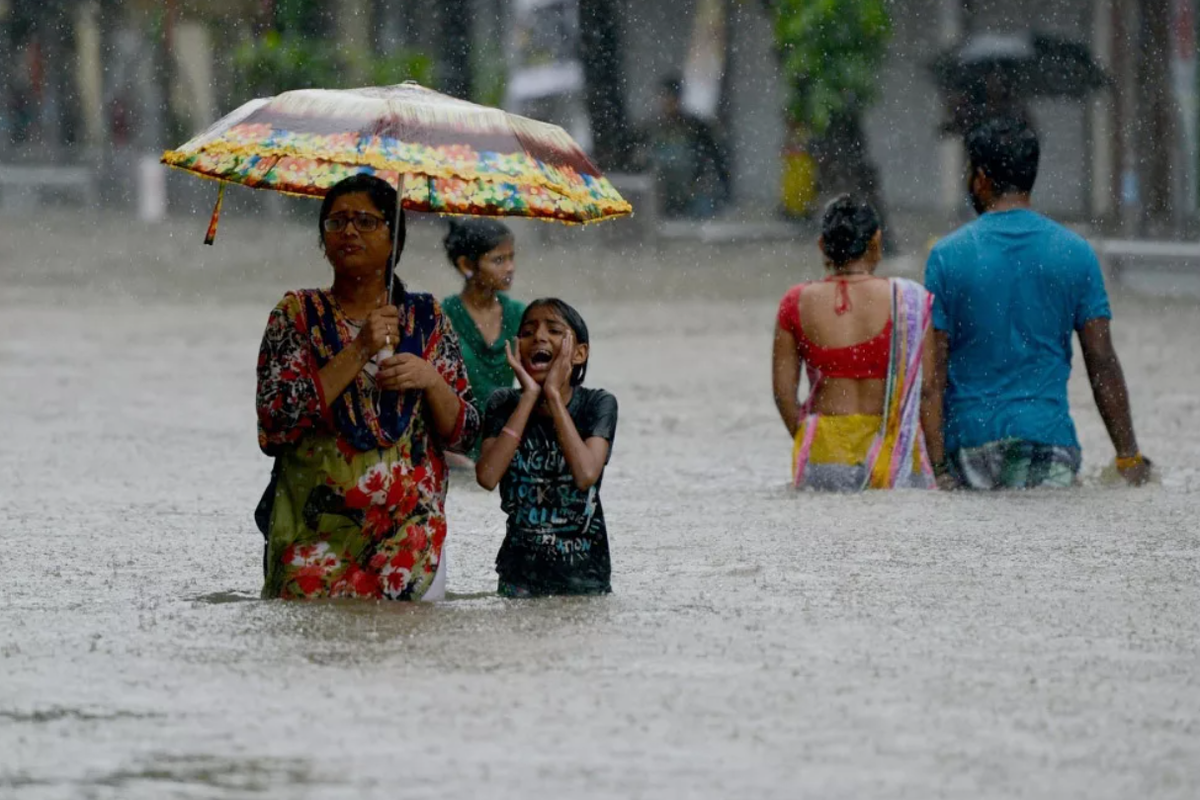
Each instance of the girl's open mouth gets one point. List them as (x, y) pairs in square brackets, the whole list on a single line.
[(541, 358)]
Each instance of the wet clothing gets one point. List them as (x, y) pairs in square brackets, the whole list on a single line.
[(1015, 464), (360, 480), (841, 451), (860, 361), (487, 366), (1010, 290), (849, 453), (555, 540)]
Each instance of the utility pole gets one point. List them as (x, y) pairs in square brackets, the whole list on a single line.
[(604, 81), (6, 57), (1155, 135), (455, 38)]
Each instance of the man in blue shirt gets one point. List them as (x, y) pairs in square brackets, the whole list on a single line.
[(1010, 289)]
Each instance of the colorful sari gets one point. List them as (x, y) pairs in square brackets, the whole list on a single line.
[(360, 482), (862, 451)]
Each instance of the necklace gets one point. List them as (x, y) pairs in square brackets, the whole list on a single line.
[(379, 302)]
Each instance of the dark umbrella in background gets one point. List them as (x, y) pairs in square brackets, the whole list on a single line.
[(996, 74), (1028, 64)]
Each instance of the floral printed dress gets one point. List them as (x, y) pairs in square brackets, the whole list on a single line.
[(359, 506)]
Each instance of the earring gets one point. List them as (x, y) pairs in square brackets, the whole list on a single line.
[(469, 274)]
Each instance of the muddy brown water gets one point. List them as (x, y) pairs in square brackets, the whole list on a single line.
[(759, 643)]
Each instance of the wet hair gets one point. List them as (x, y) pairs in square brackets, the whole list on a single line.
[(384, 198), (574, 321), (473, 237), (847, 228), (1006, 150)]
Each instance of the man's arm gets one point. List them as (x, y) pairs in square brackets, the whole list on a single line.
[(935, 362), (937, 371), (1112, 396)]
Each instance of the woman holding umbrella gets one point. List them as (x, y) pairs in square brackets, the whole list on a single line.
[(357, 496), (360, 439)]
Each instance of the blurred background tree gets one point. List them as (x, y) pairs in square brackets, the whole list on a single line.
[(293, 48), (830, 54), (277, 62)]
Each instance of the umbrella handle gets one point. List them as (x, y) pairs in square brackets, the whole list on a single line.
[(391, 273), (388, 351)]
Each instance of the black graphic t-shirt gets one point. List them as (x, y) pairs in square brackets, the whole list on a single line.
[(556, 542)]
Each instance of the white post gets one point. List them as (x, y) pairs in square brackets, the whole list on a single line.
[(950, 28), (89, 74), (1183, 73), (152, 189)]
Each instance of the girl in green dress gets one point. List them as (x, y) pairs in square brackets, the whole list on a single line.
[(483, 316)]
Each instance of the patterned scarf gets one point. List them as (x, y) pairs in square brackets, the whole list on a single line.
[(366, 424)]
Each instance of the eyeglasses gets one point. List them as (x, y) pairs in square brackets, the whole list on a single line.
[(363, 222)]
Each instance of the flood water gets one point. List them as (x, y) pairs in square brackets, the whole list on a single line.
[(759, 643)]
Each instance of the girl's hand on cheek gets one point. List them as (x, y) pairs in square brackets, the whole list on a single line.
[(559, 376), (528, 384)]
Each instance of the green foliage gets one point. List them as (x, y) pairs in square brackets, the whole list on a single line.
[(490, 72), (831, 52), (279, 62), (402, 65)]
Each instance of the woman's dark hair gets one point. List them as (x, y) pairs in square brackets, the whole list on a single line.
[(472, 237), (1006, 150), (847, 228), (575, 322), (383, 197)]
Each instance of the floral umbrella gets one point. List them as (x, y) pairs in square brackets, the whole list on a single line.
[(445, 155)]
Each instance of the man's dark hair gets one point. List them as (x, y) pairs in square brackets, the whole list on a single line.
[(1006, 150)]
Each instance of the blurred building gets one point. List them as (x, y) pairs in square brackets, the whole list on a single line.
[(1127, 153), (102, 82)]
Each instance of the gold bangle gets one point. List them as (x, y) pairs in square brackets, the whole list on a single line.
[(1131, 462)]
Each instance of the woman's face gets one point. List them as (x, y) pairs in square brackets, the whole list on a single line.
[(352, 251), (539, 340), (496, 267)]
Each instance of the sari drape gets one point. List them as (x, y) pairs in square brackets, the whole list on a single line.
[(887, 451)]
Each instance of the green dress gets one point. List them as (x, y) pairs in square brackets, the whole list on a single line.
[(487, 367)]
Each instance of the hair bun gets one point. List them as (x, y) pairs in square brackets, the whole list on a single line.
[(847, 227)]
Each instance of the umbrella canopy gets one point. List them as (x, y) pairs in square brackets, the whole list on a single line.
[(1026, 64), (447, 155)]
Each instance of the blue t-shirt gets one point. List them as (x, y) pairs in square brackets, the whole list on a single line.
[(1009, 290)]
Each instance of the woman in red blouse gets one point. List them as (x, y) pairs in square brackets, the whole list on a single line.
[(864, 341)]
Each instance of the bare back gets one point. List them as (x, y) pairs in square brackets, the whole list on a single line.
[(868, 309)]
